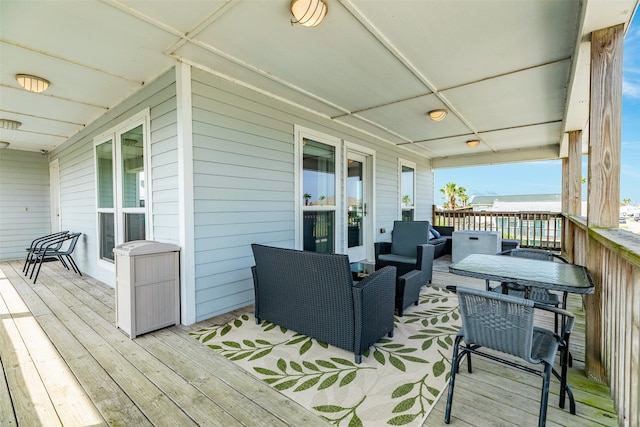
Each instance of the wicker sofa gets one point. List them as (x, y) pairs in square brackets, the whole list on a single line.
[(443, 241), (314, 294)]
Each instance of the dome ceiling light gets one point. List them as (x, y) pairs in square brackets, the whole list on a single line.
[(308, 12), (473, 143), (32, 83), (438, 115), (9, 124)]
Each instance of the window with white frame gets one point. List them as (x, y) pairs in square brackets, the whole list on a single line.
[(407, 180), (318, 182), (121, 192)]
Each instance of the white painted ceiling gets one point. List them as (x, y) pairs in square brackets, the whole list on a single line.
[(514, 74)]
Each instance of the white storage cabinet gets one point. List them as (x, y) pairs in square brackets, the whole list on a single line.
[(147, 286)]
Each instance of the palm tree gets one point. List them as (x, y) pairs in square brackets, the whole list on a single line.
[(453, 193), (463, 198), (626, 202), (450, 191)]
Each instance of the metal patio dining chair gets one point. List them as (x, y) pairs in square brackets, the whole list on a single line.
[(543, 296), (38, 245), (56, 250), (505, 323)]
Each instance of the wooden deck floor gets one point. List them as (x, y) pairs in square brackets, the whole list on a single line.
[(64, 363)]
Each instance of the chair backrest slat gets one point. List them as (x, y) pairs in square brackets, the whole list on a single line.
[(538, 254), (530, 253), (500, 322)]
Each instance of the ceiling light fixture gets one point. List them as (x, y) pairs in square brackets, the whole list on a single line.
[(4, 144), (438, 115), (308, 12), (9, 124), (473, 143), (32, 83)]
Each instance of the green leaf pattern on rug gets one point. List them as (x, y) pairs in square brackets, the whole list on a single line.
[(415, 394), (323, 373), (394, 353), (414, 365), (341, 414), (206, 334), (437, 311)]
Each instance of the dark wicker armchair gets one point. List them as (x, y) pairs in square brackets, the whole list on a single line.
[(314, 294), (409, 252)]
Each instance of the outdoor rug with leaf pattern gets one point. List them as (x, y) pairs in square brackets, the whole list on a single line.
[(396, 384)]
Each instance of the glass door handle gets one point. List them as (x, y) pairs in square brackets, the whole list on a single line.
[(365, 210)]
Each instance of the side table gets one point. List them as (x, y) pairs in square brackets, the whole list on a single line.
[(361, 269)]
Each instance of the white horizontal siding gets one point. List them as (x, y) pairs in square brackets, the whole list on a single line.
[(243, 190), (24, 201), (77, 172), (243, 180), (243, 175)]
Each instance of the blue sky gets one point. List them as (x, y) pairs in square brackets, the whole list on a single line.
[(545, 177)]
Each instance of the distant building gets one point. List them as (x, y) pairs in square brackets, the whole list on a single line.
[(519, 203), (629, 210)]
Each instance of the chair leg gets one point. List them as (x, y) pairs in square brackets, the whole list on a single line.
[(452, 379), (544, 399), (34, 263), (26, 262), (31, 265), (73, 264), (41, 259), (27, 266), (64, 264)]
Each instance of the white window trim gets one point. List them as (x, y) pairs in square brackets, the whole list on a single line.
[(409, 164), (98, 141), (113, 134), (350, 146), (299, 133)]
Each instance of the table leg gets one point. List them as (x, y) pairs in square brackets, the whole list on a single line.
[(564, 387), (564, 307)]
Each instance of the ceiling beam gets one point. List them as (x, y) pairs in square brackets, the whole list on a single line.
[(549, 152)]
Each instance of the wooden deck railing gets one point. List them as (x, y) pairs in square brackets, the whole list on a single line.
[(612, 347), (534, 229)]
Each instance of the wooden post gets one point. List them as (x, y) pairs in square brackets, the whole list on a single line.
[(603, 203), (572, 189), (575, 173), (566, 248)]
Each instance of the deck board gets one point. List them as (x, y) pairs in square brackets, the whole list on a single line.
[(153, 380), (59, 336)]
